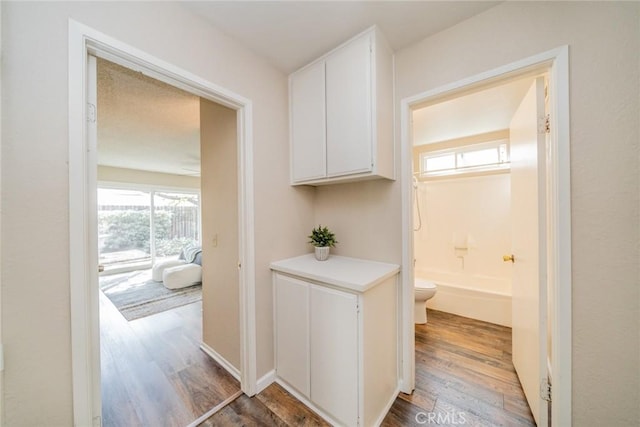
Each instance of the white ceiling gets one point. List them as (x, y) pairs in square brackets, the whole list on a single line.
[(291, 34), (148, 125), (479, 112)]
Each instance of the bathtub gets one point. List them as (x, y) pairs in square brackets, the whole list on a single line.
[(478, 297)]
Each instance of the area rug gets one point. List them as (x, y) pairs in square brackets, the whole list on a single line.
[(135, 295)]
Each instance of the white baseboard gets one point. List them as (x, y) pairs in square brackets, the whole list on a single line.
[(266, 380), (388, 406), (403, 388), (221, 360), (306, 402), (324, 415)]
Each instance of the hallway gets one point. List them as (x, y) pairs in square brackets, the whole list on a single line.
[(153, 371)]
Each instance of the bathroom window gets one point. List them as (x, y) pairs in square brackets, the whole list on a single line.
[(440, 162), (484, 157)]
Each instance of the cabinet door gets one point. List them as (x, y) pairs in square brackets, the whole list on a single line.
[(349, 109), (292, 332), (308, 148), (334, 349)]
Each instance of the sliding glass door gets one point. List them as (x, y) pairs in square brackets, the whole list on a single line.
[(176, 222), (136, 228)]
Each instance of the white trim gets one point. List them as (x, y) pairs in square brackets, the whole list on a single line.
[(221, 360), (559, 202), (83, 354), (560, 248), (266, 380), (2, 405), (248, 334), (387, 407), (407, 359), (117, 185), (84, 306), (302, 398), (219, 407), (1, 345)]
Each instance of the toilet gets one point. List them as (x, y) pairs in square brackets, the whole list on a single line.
[(424, 290)]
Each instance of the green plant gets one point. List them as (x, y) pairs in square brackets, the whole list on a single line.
[(322, 236), (124, 230), (130, 229)]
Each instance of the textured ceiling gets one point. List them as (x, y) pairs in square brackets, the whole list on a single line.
[(146, 124)]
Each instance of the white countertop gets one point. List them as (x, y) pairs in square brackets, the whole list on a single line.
[(349, 273)]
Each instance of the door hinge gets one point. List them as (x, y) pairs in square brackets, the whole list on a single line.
[(544, 124), (91, 113), (545, 389), (547, 124)]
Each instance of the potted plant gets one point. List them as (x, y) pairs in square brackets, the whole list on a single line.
[(322, 239)]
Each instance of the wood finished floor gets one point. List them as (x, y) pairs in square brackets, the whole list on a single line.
[(463, 372), (154, 374), (153, 371)]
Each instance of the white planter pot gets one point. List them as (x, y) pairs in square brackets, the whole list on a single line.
[(322, 253)]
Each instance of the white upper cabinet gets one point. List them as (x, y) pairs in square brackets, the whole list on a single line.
[(349, 109), (308, 154), (341, 114)]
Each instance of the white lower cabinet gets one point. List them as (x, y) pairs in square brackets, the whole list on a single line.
[(337, 347), (292, 324), (333, 334)]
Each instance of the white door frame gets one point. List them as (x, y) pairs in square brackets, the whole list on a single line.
[(85, 328), (558, 197)]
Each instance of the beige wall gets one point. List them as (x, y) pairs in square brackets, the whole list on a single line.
[(604, 42), (604, 61), (35, 295), (365, 217), (220, 278), (134, 176)]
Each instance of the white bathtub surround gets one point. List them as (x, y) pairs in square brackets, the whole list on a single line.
[(467, 231), (462, 241), (478, 297), (469, 217)]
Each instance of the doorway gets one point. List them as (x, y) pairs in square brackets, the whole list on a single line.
[(554, 221), (84, 42), (154, 143), (472, 197)]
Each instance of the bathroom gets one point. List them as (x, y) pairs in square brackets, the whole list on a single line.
[(462, 203)]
